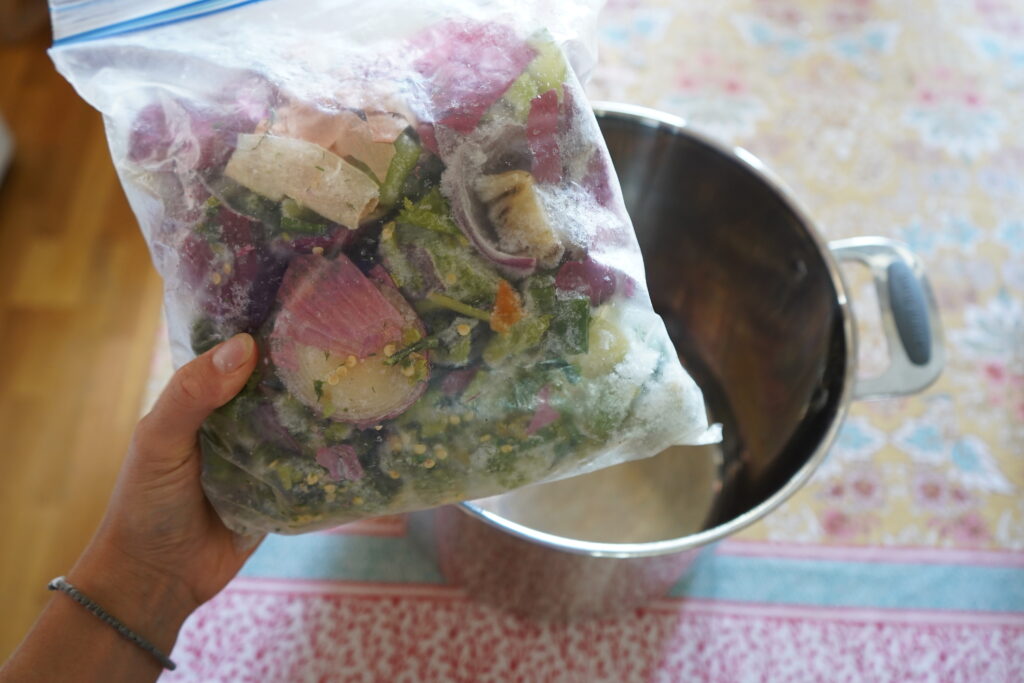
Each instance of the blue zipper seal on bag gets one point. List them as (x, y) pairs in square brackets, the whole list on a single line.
[(172, 15)]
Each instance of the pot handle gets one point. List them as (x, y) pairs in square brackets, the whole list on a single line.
[(910, 318)]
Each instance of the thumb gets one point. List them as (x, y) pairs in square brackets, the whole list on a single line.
[(196, 390)]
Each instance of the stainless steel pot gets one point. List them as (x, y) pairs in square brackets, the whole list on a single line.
[(758, 310)]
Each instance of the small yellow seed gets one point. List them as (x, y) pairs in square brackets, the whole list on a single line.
[(330, 488), (389, 350), (358, 500), (419, 449), (450, 279), (393, 474), (341, 371), (333, 379), (318, 251), (440, 451), (378, 427), (227, 268), (429, 463), (463, 329), (351, 361), (216, 278), (388, 231), (455, 419), (506, 449), (409, 370), (312, 478), (485, 437)]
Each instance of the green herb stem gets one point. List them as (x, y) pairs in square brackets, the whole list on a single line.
[(402, 354), (457, 306)]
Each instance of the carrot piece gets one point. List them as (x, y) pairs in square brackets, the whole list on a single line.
[(508, 309)]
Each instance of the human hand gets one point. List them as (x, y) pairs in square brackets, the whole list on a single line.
[(161, 549)]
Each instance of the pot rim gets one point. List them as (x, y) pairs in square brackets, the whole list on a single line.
[(657, 119)]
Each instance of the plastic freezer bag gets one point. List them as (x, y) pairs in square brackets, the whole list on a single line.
[(412, 210)]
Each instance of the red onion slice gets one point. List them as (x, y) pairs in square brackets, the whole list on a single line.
[(589, 278), (542, 136), (470, 65), (334, 335)]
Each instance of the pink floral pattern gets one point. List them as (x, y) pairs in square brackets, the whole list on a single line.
[(403, 634), (934, 492), (968, 529)]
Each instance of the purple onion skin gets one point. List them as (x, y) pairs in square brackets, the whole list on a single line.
[(545, 413), (335, 238), (186, 137), (177, 140), (151, 139), (235, 284), (567, 123), (597, 180), (428, 138), (589, 278), (542, 136), (341, 462), (469, 66), (456, 381), (268, 425)]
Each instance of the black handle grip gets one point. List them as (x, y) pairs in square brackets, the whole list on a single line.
[(910, 311)]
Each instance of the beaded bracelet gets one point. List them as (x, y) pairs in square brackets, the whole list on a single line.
[(61, 584)]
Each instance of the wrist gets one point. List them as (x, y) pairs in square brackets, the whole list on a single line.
[(147, 600)]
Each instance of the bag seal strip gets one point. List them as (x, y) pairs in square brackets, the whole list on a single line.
[(77, 22)]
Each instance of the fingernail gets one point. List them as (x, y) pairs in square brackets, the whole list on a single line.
[(230, 355)]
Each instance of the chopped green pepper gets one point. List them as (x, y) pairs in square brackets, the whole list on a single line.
[(570, 327), (426, 261), (523, 336), (546, 72), (407, 153), (296, 218), (540, 294), (431, 211)]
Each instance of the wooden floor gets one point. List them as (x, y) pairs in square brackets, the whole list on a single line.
[(79, 306)]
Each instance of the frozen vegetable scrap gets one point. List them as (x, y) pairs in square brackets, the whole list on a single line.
[(277, 167), (432, 253)]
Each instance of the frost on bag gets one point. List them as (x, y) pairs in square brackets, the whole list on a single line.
[(414, 213)]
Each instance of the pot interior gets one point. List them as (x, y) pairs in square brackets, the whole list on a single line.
[(753, 309)]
